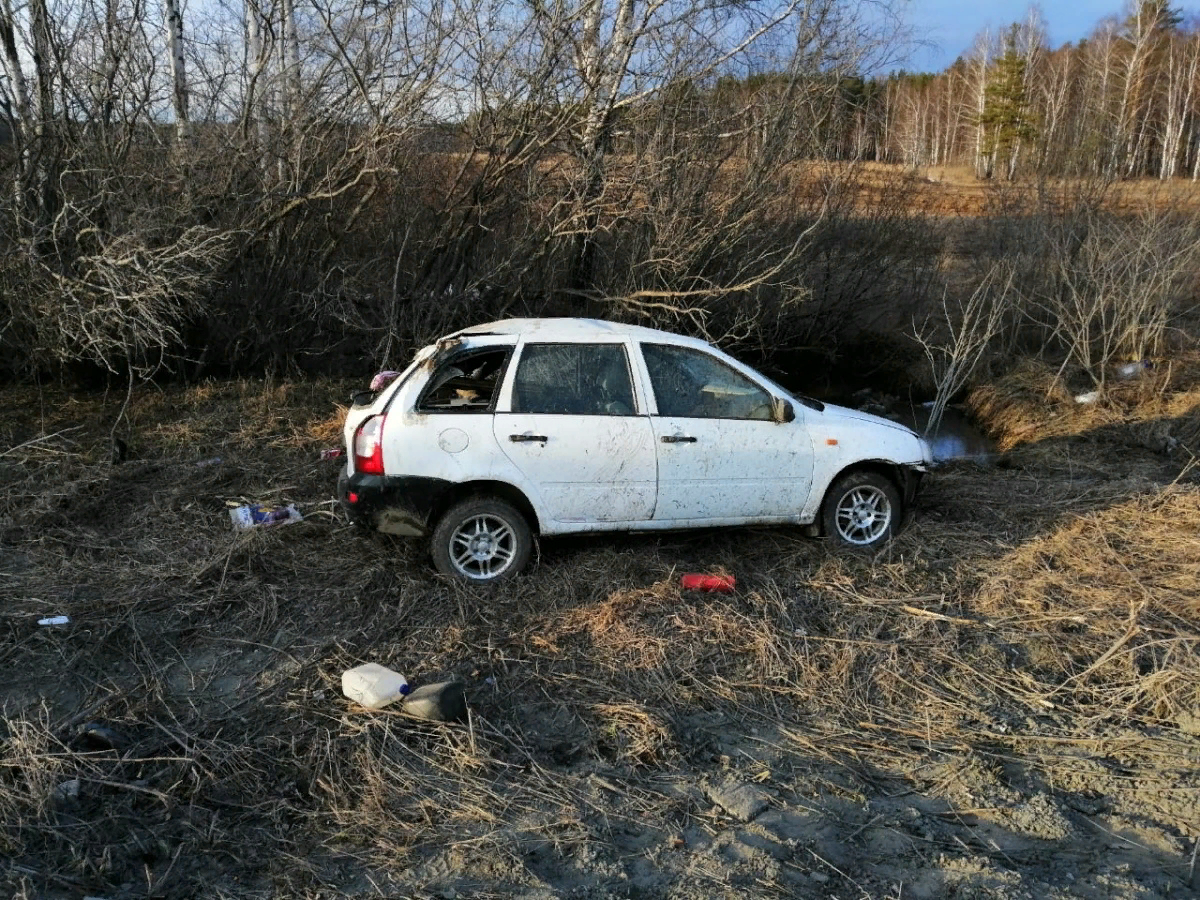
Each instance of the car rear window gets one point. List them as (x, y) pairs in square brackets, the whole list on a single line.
[(468, 382)]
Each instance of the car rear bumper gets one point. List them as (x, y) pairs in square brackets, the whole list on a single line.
[(393, 504)]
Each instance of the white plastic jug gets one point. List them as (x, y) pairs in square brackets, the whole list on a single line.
[(373, 686)]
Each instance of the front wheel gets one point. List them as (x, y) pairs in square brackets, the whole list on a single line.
[(481, 539), (862, 510)]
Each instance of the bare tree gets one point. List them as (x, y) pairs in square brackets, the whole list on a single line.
[(960, 337), (1183, 74), (981, 62), (1116, 283), (179, 93)]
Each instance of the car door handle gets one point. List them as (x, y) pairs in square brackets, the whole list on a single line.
[(677, 439), (526, 438)]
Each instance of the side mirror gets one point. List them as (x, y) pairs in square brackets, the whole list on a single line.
[(782, 411)]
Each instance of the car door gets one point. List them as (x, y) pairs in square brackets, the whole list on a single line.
[(572, 426), (721, 454)]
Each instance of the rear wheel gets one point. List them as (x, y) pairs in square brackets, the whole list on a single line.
[(862, 510), (482, 539)]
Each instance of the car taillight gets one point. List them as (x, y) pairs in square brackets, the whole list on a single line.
[(368, 447)]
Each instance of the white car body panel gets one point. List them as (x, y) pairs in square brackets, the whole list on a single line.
[(739, 468), (856, 437), (591, 468), (613, 473)]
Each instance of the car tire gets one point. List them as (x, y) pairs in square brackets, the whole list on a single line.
[(862, 510), (482, 540)]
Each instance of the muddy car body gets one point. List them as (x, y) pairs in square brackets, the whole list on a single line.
[(533, 427)]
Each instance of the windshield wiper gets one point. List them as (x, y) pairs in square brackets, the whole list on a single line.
[(810, 402)]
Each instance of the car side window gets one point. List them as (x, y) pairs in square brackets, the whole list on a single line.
[(690, 383), (469, 382), (573, 379)]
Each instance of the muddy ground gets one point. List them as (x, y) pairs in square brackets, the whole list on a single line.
[(1004, 703)]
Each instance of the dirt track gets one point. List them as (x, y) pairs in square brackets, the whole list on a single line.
[(1005, 703)]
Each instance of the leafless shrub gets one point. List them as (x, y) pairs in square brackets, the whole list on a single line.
[(122, 301), (957, 343), (1116, 283)]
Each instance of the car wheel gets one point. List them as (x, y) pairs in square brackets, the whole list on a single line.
[(862, 510), (481, 539)]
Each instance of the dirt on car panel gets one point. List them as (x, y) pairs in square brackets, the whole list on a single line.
[(401, 522), (408, 505)]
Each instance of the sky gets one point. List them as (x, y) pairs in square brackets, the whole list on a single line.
[(952, 24)]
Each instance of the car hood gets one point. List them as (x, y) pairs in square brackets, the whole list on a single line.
[(845, 414)]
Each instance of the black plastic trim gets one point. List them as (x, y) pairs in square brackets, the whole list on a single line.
[(412, 498)]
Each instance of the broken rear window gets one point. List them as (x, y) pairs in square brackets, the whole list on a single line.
[(467, 383)]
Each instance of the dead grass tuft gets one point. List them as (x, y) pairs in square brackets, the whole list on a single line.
[(1020, 405), (1108, 605)]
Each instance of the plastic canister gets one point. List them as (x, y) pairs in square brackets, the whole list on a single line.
[(373, 686), (722, 584)]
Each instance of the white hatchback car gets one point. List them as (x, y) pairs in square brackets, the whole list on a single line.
[(556, 426)]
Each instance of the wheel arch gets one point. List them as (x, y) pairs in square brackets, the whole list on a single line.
[(501, 489), (900, 476)]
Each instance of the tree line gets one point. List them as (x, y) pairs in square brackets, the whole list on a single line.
[(305, 185), (1123, 103)]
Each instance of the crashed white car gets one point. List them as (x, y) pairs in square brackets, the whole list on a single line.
[(526, 427)]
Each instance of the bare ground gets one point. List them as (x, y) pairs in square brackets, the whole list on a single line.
[(1004, 703)]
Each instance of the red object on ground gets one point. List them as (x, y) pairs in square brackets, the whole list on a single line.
[(722, 584)]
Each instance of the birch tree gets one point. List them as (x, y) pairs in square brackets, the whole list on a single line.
[(1182, 76), (179, 92)]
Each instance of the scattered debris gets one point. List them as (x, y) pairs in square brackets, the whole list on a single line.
[(95, 734), (373, 686), (253, 515), (1089, 397), (721, 584), (333, 453), (739, 799), (442, 702), (205, 463), (54, 620), (383, 379), (1130, 370)]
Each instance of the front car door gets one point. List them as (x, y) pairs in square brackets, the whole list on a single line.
[(572, 426), (721, 455)]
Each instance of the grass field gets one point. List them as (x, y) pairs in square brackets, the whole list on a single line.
[(1003, 703)]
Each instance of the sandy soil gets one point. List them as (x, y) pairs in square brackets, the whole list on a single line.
[(1003, 704)]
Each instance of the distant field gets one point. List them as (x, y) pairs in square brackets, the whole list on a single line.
[(936, 190)]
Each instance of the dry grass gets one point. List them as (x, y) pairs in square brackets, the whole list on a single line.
[(1035, 405), (1041, 615)]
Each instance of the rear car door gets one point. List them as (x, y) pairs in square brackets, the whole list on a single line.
[(573, 428), (721, 455)]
